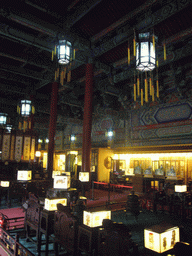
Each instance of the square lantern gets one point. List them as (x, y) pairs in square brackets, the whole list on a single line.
[(161, 238), (180, 188), (84, 176), (24, 175), (95, 219), (145, 52), (62, 181), (5, 184), (64, 52), (51, 204)]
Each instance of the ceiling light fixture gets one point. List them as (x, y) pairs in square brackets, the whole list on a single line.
[(144, 52), (64, 55)]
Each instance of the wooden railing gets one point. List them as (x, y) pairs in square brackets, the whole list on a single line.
[(11, 244), (15, 223)]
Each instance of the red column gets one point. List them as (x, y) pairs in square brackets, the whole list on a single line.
[(52, 127), (87, 119)]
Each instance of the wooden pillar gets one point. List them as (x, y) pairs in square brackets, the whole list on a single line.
[(52, 127), (87, 118)]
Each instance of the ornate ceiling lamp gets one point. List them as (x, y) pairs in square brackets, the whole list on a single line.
[(64, 55), (25, 109), (144, 52), (3, 119)]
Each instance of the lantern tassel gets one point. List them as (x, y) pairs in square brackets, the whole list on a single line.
[(129, 55), (157, 85), (138, 86), (141, 97), (29, 125), (146, 90), (134, 47), (61, 78), (65, 71), (153, 38), (164, 49), (135, 92), (153, 95), (20, 125), (74, 54), (150, 86)]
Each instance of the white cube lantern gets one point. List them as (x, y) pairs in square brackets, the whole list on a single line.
[(5, 184), (180, 188), (84, 176), (62, 182), (51, 204), (24, 175), (161, 238), (95, 219)]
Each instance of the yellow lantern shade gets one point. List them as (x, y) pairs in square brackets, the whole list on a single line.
[(84, 176), (95, 219), (180, 188), (51, 204), (5, 184), (161, 238), (24, 175), (62, 182)]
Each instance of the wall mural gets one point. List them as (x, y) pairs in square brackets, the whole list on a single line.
[(163, 121)]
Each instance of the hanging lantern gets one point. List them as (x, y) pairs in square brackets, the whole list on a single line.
[(9, 127), (145, 52), (3, 119), (64, 52), (25, 108)]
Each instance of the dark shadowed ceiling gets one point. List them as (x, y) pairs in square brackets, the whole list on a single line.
[(99, 29)]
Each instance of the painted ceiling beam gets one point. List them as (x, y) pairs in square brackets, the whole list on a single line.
[(44, 9), (26, 72), (26, 38), (55, 32), (15, 78), (123, 33), (13, 89), (38, 62), (123, 20), (80, 12)]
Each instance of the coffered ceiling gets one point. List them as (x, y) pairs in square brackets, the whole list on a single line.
[(100, 29)]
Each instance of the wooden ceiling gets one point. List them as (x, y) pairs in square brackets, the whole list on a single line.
[(29, 30)]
